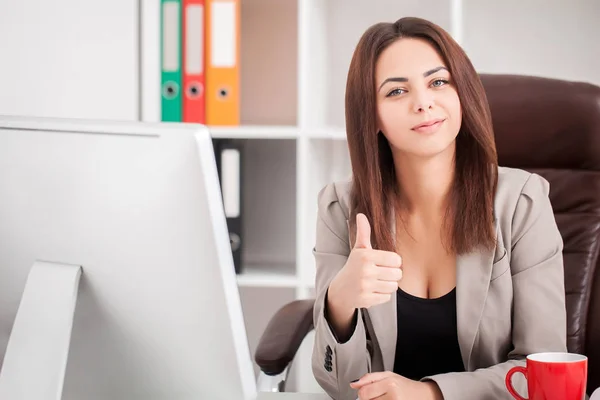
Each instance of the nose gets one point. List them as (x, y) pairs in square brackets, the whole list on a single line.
[(423, 102)]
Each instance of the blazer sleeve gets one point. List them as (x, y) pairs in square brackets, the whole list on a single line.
[(334, 364), (539, 312)]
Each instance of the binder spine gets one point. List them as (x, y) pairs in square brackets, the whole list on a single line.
[(193, 61), (171, 60), (223, 62), (229, 156)]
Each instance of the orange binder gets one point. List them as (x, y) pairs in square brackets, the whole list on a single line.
[(193, 61), (222, 62)]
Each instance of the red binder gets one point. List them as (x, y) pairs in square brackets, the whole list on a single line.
[(194, 33)]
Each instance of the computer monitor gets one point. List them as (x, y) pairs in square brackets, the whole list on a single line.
[(116, 270)]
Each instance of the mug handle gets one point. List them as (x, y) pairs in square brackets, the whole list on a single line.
[(508, 381)]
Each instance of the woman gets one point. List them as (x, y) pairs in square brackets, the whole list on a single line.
[(437, 270)]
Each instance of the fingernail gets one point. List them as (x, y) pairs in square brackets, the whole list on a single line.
[(354, 381)]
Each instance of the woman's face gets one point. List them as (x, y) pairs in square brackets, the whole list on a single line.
[(418, 108)]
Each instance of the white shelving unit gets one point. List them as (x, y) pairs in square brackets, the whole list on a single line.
[(283, 276), (101, 60)]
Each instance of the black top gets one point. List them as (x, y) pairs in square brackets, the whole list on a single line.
[(427, 342)]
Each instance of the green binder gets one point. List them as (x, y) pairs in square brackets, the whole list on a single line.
[(171, 60)]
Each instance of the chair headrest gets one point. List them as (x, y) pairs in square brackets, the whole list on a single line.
[(543, 122)]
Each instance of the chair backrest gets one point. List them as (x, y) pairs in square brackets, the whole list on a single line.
[(552, 127)]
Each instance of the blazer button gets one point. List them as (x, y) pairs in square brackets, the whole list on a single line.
[(328, 358), (328, 367), (328, 349)]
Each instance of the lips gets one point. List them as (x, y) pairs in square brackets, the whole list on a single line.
[(427, 124)]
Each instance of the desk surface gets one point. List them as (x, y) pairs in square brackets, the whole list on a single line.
[(292, 396)]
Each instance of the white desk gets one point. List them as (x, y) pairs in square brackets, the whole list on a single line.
[(292, 396)]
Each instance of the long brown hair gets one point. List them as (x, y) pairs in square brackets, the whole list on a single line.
[(374, 187)]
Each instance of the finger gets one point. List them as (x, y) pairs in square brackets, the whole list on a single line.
[(377, 298), (385, 258), (363, 232), (389, 274), (370, 378), (385, 287), (373, 390)]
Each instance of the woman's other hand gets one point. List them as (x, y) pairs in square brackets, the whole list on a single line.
[(389, 386)]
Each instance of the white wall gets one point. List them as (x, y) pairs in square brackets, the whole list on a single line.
[(551, 38), (69, 58)]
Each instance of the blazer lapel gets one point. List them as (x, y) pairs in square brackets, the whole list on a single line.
[(473, 273), (383, 318)]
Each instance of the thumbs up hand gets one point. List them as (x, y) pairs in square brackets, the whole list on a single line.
[(370, 277)]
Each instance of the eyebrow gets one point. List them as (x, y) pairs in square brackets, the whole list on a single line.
[(402, 79)]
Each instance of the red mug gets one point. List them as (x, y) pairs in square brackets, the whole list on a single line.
[(552, 376)]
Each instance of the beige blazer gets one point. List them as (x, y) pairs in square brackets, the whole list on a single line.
[(510, 301)]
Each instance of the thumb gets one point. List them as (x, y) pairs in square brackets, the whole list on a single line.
[(363, 232)]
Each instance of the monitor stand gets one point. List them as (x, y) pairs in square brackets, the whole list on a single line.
[(36, 356)]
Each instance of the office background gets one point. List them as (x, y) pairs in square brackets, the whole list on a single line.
[(99, 60)]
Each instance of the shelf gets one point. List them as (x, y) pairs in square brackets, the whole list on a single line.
[(276, 132), (269, 202), (325, 133), (268, 65), (280, 276), (254, 132)]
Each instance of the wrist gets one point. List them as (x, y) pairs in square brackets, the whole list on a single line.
[(338, 309), (431, 391), (338, 316)]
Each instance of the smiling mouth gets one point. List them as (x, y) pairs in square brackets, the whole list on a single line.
[(428, 123), (429, 126)]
